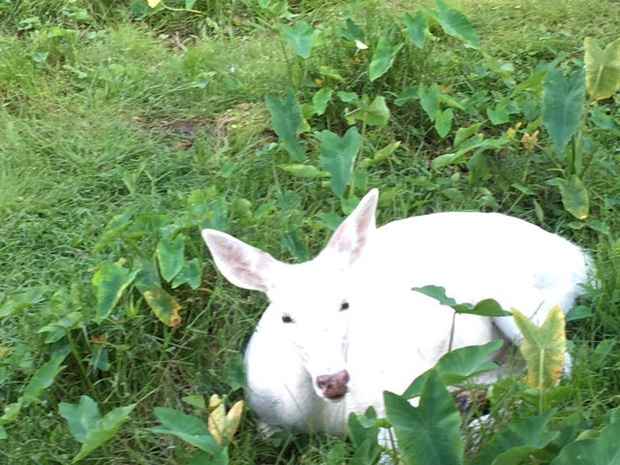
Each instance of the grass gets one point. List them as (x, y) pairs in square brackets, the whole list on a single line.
[(120, 111)]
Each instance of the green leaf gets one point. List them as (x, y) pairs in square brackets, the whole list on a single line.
[(486, 307), (443, 123), (382, 58), (22, 300), (81, 417), (456, 24), (458, 365), (375, 113), (578, 313), (321, 99), (465, 133), (562, 105), (602, 68), (10, 412), (499, 115), (429, 434), (429, 99), (104, 430), (191, 274), (171, 256), (186, 427), (363, 432), (416, 28), (286, 118), (299, 37), (351, 31), (109, 282), (516, 441), (42, 378), (165, 307), (575, 197), (380, 155), (58, 329), (602, 450), (543, 348), (337, 155), (304, 171)]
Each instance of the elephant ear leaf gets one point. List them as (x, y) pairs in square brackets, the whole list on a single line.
[(602, 68), (543, 348)]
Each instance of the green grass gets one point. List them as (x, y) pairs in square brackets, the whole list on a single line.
[(89, 127)]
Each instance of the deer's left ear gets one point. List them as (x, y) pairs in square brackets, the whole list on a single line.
[(349, 239)]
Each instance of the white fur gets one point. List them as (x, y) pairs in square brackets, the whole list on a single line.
[(389, 334)]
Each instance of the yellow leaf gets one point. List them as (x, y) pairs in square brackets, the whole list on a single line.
[(221, 425), (232, 419), (602, 68), (543, 348), (153, 3), (217, 418)]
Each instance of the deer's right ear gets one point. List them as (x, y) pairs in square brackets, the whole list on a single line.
[(241, 264)]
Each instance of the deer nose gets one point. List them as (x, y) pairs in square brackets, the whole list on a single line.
[(333, 386)]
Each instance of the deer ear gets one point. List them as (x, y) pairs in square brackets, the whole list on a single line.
[(243, 265), (349, 239)]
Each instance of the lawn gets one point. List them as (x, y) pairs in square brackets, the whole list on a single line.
[(126, 128)]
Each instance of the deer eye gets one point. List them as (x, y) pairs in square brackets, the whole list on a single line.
[(344, 306), (287, 319)]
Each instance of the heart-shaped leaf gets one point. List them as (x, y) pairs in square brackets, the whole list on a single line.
[(429, 434), (286, 118), (110, 281), (602, 68)]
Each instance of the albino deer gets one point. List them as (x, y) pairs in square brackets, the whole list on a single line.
[(346, 326)]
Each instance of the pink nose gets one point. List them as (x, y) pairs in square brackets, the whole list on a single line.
[(333, 386)]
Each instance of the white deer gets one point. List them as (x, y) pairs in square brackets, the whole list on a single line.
[(346, 326)]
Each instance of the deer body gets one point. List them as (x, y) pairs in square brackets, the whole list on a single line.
[(346, 326)]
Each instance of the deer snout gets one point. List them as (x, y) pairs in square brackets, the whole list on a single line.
[(333, 386)]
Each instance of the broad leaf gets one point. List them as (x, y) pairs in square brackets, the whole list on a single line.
[(602, 450), (416, 28), (191, 274), (171, 256), (221, 425), (110, 281), (337, 155), (286, 118), (42, 378), (487, 307), (516, 441), (443, 123), (104, 430), (186, 427), (375, 113), (363, 432), (429, 434), (81, 417), (543, 348), (575, 197), (456, 24), (165, 307), (321, 99), (22, 300), (429, 99), (562, 106), (299, 37), (382, 58), (602, 68), (458, 365)]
